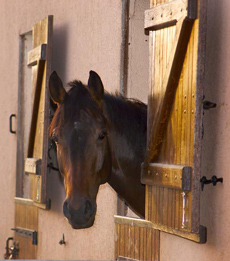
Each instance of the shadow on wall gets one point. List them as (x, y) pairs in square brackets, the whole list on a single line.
[(60, 43), (56, 191)]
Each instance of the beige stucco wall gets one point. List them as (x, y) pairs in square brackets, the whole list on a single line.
[(87, 36), (215, 210)]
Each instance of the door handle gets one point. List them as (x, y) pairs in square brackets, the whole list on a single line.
[(10, 119)]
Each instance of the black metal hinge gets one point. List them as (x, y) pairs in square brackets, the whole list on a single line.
[(27, 233)]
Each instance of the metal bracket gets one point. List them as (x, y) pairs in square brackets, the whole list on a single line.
[(27, 233)]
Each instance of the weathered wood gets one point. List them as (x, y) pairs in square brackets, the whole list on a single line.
[(165, 15), (38, 138), (158, 129), (24, 88), (37, 54), (46, 109), (26, 217), (192, 9), (167, 207), (33, 166), (35, 114), (168, 175), (132, 221), (197, 237), (23, 201), (135, 239), (200, 83)]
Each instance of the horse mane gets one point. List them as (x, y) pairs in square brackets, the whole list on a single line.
[(128, 116)]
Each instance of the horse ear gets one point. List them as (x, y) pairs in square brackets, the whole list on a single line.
[(96, 87), (57, 91)]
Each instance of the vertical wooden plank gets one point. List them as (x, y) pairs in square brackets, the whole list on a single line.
[(136, 243), (116, 238), (144, 243), (132, 245), (149, 244), (169, 208), (25, 217), (148, 202), (165, 206), (198, 63), (127, 240), (173, 207), (157, 245), (122, 243), (141, 239), (42, 34), (154, 243), (46, 107)]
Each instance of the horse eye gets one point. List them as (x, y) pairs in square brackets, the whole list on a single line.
[(102, 135)]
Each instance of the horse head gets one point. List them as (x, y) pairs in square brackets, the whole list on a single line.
[(80, 129)]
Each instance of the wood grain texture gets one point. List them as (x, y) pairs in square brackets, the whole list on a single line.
[(42, 36), (174, 130), (166, 14), (136, 239), (26, 217), (168, 175)]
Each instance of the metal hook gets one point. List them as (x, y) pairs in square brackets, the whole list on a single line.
[(213, 180), (62, 241)]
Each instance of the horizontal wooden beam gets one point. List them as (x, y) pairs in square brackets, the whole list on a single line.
[(33, 166), (37, 54), (200, 237), (165, 15), (30, 202), (167, 175), (134, 222)]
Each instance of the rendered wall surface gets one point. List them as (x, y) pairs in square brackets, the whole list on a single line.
[(86, 36)]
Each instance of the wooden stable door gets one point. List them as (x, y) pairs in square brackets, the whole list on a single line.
[(172, 170), (32, 139), (172, 167)]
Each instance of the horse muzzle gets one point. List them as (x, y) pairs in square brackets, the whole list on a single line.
[(82, 216)]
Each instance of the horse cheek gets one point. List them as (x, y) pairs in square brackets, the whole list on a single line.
[(106, 168)]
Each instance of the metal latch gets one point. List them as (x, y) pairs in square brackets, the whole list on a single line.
[(27, 233), (13, 251)]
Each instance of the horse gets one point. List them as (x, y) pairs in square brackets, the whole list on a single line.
[(99, 138)]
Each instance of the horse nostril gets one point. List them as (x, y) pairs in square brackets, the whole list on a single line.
[(88, 208), (66, 208)]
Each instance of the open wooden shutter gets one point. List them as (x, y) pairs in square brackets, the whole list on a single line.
[(39, 58), (171, 170), (35, 162)]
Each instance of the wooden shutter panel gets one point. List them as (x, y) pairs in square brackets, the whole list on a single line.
[(171, 170), (26, 207), (37, 157)]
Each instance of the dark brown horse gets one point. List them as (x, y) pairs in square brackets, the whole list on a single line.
[(100, 138)]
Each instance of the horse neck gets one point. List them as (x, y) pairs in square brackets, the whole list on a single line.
[(127, 138)]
